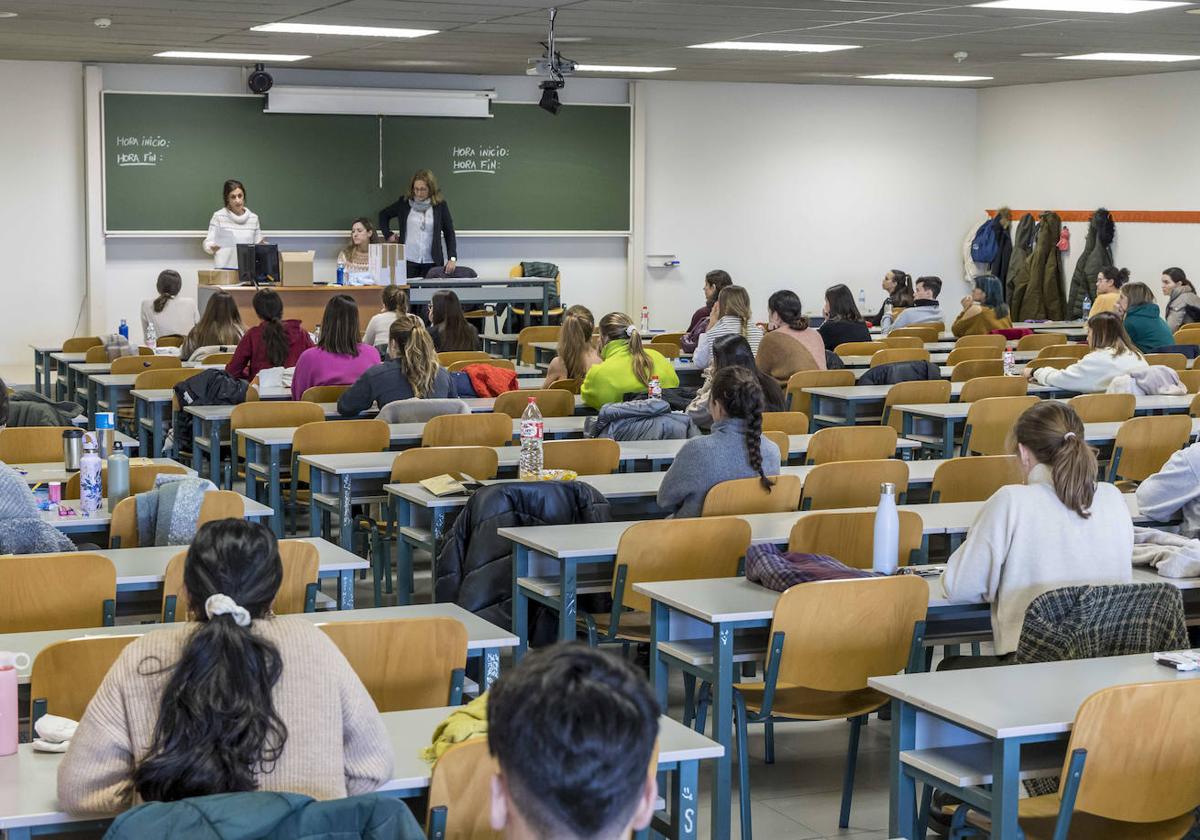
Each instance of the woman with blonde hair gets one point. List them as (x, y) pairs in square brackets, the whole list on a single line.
[(730, 315), (356, 256), (221, 325), (626, 366), (576, 350), (412, 370), (424, 222), (1113, 354)]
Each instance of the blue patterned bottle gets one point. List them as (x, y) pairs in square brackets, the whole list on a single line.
[(91, 493)]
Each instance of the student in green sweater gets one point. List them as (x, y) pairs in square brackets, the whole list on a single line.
[(1145, 325), (627, 366)]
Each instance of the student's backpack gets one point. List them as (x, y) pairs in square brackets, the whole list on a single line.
[(985, 247)]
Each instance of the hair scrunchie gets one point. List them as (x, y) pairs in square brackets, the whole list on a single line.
[(1068, 436), (630, 330), (224, 605)]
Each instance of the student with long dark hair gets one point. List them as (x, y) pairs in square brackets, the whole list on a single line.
[(714, 282), (169, 313), (983, 310), (273, 343), (843, 322), (734, 351), (736, 448), (339, 357), (790, 344), (448, 328), (412, 370), (899, 287), (576, 348), (1108, 289), (237, 699), (219, 326)]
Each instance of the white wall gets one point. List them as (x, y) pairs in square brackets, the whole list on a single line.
[(801, 187), (41, 213), (1126, 144)]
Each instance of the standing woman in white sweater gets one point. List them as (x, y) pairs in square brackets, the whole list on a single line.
[(169, 313), (1060, 528), (1113, 354), (231, 226)]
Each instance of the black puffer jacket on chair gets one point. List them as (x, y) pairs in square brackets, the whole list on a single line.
[(474, 569)]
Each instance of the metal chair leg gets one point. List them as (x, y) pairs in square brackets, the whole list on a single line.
[(769, 733), (743, 758), (923, 811), (689, 698), (702, 706), (851, 762)]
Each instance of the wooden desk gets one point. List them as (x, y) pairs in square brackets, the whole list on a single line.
[(304, 303), (76, 523)]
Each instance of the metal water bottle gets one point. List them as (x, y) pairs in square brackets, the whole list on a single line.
[(9, 729), (91, 489), (886, 557), (118, 475)]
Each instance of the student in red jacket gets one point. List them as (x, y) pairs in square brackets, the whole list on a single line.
[(273, 343)]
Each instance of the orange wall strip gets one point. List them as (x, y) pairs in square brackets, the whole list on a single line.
[(1153, 217)]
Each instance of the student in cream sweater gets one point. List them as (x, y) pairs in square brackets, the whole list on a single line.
[(1059, 529), (1113, 354)]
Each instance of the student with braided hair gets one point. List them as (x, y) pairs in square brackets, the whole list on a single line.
[(735, 449)]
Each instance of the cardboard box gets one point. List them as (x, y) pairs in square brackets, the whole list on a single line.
[(386, 263), (296, 267), (217, 277)]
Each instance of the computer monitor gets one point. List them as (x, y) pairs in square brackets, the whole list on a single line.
[(258, 264)]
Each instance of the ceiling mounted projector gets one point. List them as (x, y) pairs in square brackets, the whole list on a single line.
[(551, 64)]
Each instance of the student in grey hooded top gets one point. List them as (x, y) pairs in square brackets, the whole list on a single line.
[(1175, 491), (735, 449)]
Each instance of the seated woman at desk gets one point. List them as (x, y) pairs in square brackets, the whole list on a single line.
[(1112, 355), (356, 257), (576, 347), (627, 366), (273, 343), (305, 724), (395, 304), (730, 315), (734, 351), (220, 326), (736, 448), (984, 310), (169, 313), (1060, 528), (843, 322), (411, 371), (450, 331), (790, 344), (339, 357)]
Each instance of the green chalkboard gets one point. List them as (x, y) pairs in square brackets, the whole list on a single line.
[(522, 170)]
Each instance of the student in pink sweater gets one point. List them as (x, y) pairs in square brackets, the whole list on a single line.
[(339, 357)]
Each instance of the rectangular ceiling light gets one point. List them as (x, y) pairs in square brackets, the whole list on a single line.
[(618, 68), (334, 29), (231, 56), (1109, 7), (767, 46), (1112, 56), (925, 77)]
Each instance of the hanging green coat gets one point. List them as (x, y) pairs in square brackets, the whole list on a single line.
[(1018, 263), (1043, 296), (1097, 253)]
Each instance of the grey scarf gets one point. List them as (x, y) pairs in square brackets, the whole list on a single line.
[(420, 206)]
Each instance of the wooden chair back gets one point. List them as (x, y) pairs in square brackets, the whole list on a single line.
[(1039, 340), (916, 392), (95, 355), (1104, 408), (301, 561), (859, 348), (964, 371), (137, 364), (995, 341), (1175, 361), (678, 549), (488, 429), (744, 496), (667, 350), (1143, 753), (500, 363), (903, 342), (170, 341), (529, 335), (669, 338), (850, 536), (982, 387), (462, 784), (81, 343), (325, 438), (1064, 351), (56, 591), (1056, 362), (848, 484), (220, 504), (851, 443), (887, 357), (163, 377), (66, 675), (141, 479), (424, 462), (972, 354), (586, 456), (1194, 408), (552, 402), (451, 356), (175, 603), (122, 528), (840, 633), (572, 385), (974, 479), (788, 422), (404, 663), (1187, 334), (32, 444), (1190, 380), (989, 422), (323, 393), (927, 334), (798, 400), (218, 358), (1144, 444), (269, 415), (782, 443)]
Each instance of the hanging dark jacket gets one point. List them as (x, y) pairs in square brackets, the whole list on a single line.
[(894, 372), (1018, 262), (1042, 296), (999, 266), (474, 568), (1096, 254)]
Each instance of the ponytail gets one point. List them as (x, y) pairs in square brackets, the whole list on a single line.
[(269, 307), (168, 285), (575, 339), (1053, 433), (735, 301), (617, 326), (738, 392), (394, 300), (217, 727), (417, 356), (786, 304)]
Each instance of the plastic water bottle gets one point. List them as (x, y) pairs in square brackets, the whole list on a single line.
[(886, 557), (645, 326), (118, 475), (1087, 305), (862, 300), (1010, 363), (530, 468), (91, 491), (151, 336), (124, 329), (316, 334), (9, 724), (655, 388), (341, 270)]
